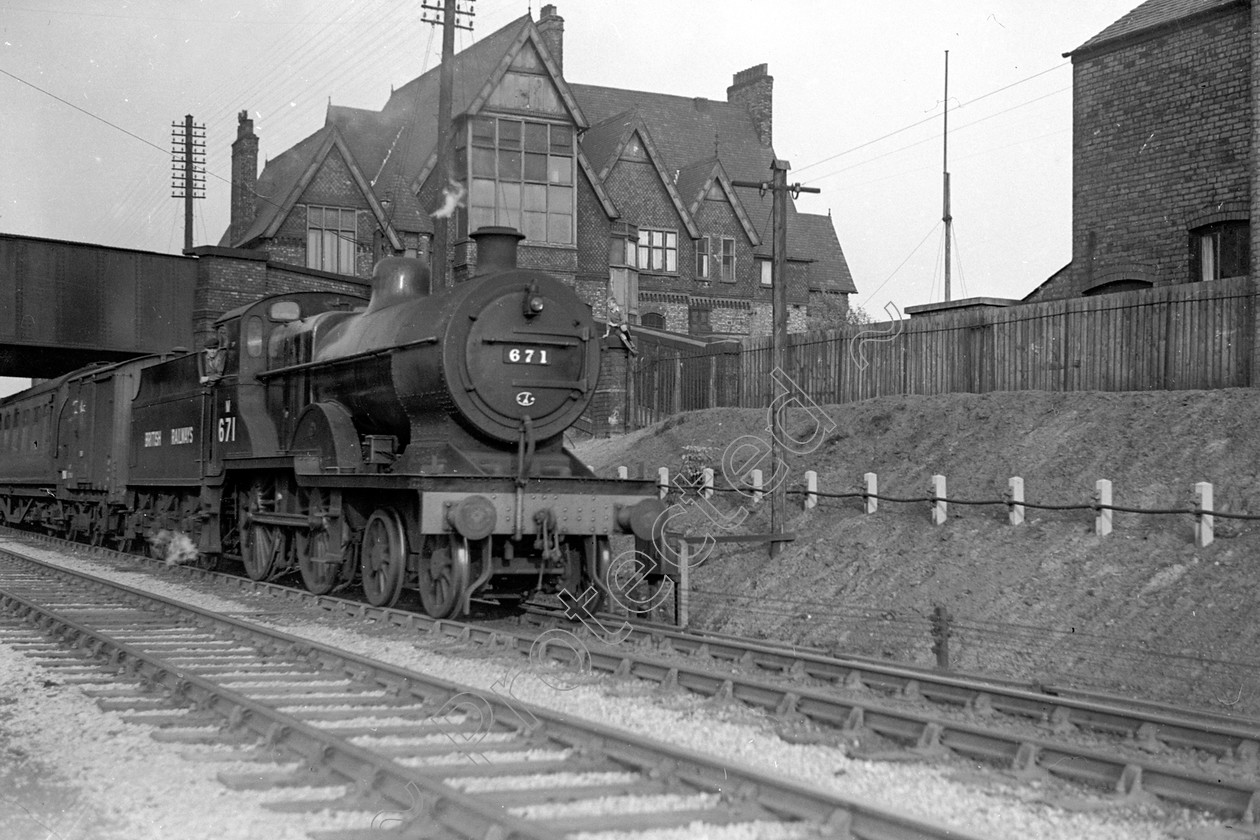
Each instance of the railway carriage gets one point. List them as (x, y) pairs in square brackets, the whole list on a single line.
[(410, 440)]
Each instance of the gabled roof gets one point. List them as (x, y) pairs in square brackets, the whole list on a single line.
[(285, 179), (392, 151), (1150, 19), (617, 133), (688, 132), (695, 182), (381, 144), (816, 235), (693, 143)]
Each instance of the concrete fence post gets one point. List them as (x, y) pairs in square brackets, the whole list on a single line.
[(682, 596), (811, 489), (1015, 496), (707, 490), (939, 505), (662, 481), (756, 485), (623, 472), (872, 490), (1102, 518), (1204, 523)]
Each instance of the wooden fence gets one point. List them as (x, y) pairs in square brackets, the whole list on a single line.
[(1181, 337)]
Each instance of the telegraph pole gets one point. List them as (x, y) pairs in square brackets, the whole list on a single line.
[(946, 217), (779, 189), (450, 12), (188, 168)]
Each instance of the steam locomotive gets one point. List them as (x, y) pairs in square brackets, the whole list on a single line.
[(413, 440)]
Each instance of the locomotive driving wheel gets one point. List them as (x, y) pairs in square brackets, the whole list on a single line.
[(265, 546), (314, 549), (323, 554), (261, 545), (383, 558), (444, 575)]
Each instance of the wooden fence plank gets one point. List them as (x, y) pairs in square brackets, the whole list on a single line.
[(1198, 335)]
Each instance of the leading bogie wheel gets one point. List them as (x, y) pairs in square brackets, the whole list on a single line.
[(383, 558)]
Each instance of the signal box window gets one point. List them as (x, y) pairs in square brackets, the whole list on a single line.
[(331, 237), (1220, 250)]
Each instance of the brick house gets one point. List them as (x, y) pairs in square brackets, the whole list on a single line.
[(1162, 150), (627, 195)]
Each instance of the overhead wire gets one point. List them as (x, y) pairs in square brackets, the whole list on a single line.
[(304, 47), (931, 118), (900, 265), (971, 124), (962, 279), (153, 193), (312, 48)]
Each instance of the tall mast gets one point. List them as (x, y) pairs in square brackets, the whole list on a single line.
[(945, 216)]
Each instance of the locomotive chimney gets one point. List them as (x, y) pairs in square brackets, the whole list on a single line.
[(496, 248), (398, 278)]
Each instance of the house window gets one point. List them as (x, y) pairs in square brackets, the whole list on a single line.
[(331, 237), (1221, 250), (658, 250), (767, 272), (654, 321), (698, 320), (522, 177), (702, 258), (728, 260)]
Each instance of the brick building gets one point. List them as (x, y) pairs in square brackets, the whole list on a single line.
[(628, 195), (1162, 148)]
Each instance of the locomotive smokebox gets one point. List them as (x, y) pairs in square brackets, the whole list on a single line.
[(396, 279), (496, 248)]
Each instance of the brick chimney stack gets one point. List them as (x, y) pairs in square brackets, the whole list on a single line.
[(551, 26), (244, 179), (753, 88)]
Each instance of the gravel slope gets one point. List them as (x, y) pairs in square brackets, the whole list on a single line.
[(1142, 611)]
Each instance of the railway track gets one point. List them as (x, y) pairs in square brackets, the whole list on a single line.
[(439, 756), (1210, 762)]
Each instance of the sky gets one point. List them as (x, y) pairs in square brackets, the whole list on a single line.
[(89, 90)]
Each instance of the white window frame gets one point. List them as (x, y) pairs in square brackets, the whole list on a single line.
[(658, 250), (510, 191), (332, 249), (767, 272), (726, 260), (704, 258)]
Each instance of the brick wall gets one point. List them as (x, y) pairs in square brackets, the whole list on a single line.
[(1161, 137), (229, 278)]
